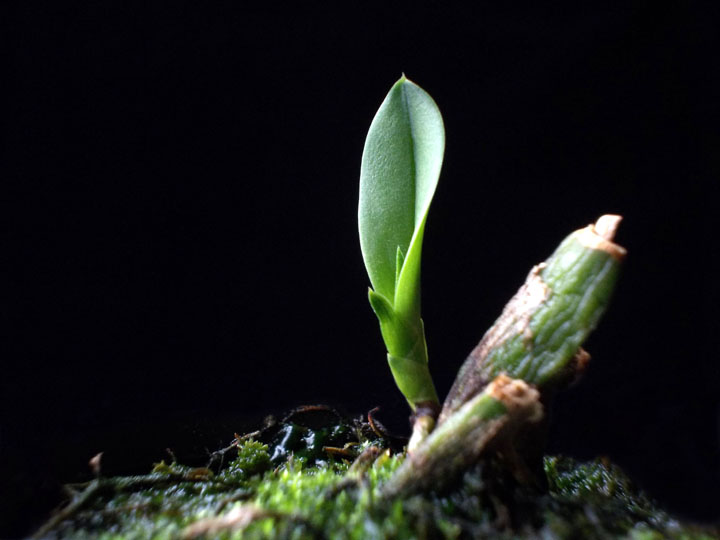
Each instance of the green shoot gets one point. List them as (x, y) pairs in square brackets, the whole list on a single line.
[(400, 169)]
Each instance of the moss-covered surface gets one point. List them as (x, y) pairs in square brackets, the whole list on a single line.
[(304, 482)]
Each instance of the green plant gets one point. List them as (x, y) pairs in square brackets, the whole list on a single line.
[(536, 340), (479, 473), (400, 169)]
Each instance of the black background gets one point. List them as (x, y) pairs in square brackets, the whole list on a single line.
[(182, 241)]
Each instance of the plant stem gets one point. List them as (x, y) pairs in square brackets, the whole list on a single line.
[(536, 341), (457, 443), (542, 327)]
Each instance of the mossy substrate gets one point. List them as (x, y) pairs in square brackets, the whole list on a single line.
[(305, 482)]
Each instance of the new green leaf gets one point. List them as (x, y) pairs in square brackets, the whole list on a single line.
[(400, 169), (399, 172)]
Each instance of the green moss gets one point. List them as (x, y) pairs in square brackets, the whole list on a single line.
[(253, 459), (307, 497), (598, 498)]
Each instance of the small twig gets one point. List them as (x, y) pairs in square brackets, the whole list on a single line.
[(345, 452), (100, 486), (220, 454), (372, 429), (240, 518), (117, 512), (243, 495), (364, 461), (132, 483), (84, 498), (310, 408), (376, 426), (251, 435)]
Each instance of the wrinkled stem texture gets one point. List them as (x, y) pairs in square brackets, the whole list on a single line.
[(542, 327), (534, 346)]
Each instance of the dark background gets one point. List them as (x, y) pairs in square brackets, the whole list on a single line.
[(182, 243)]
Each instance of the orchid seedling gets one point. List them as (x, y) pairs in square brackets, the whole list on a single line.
[(537, 339), (400, 169)]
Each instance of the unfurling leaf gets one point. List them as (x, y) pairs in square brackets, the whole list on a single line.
[(400, 169)]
